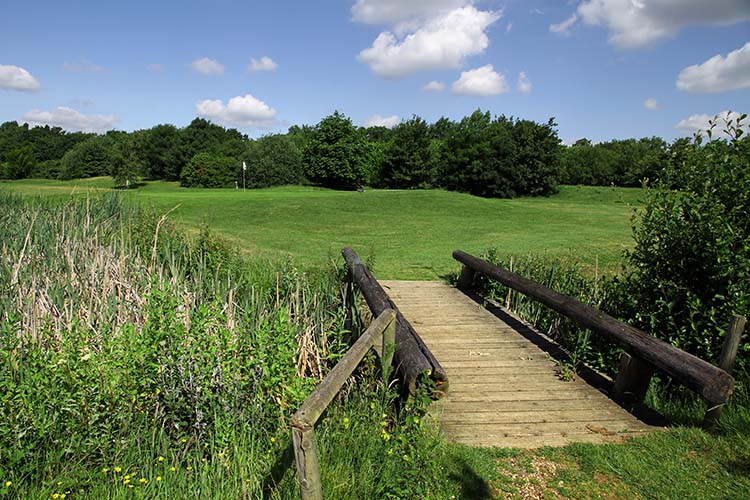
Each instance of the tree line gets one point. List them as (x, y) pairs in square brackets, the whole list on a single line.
[(480, 154)]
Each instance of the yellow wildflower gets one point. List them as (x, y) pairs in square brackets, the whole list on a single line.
[(55, 496), (143, 480), (62, 495), (8, 484), (385, 435), (130, 486), (158, 478), (127, 477), (173, 469), (160, 459), (273, 439), (184, 440), (105, 470), (118, 469), (346, 422)]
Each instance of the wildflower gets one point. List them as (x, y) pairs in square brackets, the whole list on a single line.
[(205, 445), (158, 478), (189, 468), (273, 439), (173, 469), (55, 496), (160, 459), (390, 451), (406, 458), (203, 460), (385, 435), (63, 495), (184, 440), (346, 422), (130, 486), (8, 484), (105, 470), (126, 481), (59, 483), (118, 469), (143, 480), (127, 477)]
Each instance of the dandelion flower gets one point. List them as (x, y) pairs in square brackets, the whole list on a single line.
[(105, 470), (173, 469), (63, 495), (160, 459), (55, 496), (143, 480), (184, 440), (158, 478), (273, 439), (8, 484), (118, 469)]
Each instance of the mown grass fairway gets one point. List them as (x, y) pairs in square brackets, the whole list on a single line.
[(406, 234)]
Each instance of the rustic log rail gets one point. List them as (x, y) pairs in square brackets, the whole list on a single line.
[(643, 353), (412, 357), (303, 422)]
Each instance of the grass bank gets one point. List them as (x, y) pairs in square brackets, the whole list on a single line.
[(405, 234)]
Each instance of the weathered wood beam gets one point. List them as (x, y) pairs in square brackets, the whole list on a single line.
[(411, 357), (714, 384)]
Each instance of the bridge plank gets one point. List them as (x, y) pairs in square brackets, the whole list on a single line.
[(505, 390)]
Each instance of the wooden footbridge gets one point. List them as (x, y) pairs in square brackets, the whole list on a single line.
[(498, 382)]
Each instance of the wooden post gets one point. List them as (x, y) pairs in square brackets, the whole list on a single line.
[(633, 378), (727, 358), (466, 278), (389, 347), (306, 457)]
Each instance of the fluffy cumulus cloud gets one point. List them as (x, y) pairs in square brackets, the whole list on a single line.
[(206, 66), (240, 111), (434, 86), (17, 78), (719, 73), (383, 121), (524, 84), (700, 123), (639, 23), (71, 120), (440, 42), (262, 64), (651, 104), (483, 81)]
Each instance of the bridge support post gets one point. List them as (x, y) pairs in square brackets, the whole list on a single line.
[(633, 378), (466, 279), (726, 359), (306, 456)]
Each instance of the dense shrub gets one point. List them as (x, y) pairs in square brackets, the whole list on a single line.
[(90, 158), (210, 171), (273, 160), (690, 268)]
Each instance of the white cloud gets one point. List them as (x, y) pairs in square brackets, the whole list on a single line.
[(434, 86), (206, 66), (441, 42), (524, 84), (397, 11), (639, 23), (71, 120), (383, 121), (699, 123), (718, 74), (508, 27), (17, 78), (82, 67), (483, 81), (563, 27), (240, 111), (262, 64), (651, 104)]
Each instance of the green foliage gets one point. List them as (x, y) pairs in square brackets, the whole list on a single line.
[(18, 163), (689, 270), (407, 158), (209, 171), (503, 158), (626, 162), (90, 158), (273, 160), (158, 149), (338, 155)]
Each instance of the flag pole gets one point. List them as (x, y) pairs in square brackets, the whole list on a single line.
[(244, 167)]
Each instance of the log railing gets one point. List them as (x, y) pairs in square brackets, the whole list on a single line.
[(383, 329), (412, 358), (643, 353)]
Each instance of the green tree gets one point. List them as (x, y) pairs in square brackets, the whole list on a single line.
[(338, 155), (209, 170), (159, 152), (18, 163), (407, 163), (273, 160), (89, 158)]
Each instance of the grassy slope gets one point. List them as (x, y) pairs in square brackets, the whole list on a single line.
[(408, 234)]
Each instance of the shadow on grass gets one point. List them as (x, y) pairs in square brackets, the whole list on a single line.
[(284, 461), (473, 486)]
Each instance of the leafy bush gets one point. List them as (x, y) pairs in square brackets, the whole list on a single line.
[(273, 160), (90, 158), (208, 170), (690, 268)]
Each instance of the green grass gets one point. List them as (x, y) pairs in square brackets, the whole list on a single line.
[(405, 234)]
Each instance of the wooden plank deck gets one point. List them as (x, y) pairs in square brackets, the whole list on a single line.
[(505, 390)]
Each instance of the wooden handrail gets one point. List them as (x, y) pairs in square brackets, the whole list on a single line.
[(412, 357), (711, 382), (303, 422)]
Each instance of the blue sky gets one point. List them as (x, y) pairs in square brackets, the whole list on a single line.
[(591, 64)]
